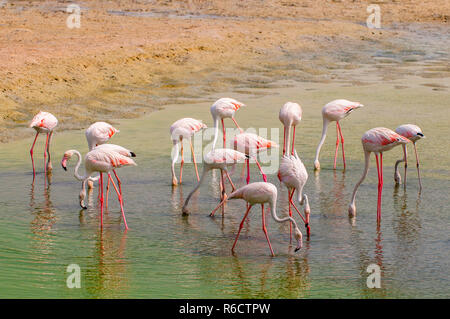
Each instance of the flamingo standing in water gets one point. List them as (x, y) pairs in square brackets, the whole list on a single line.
[(219, 158), (335, 111), (251, 144), (221, 109), (377, 140), (413, 133), (293, 174), (184, 128), (122, 151), (261, 193), (102, 160), (290, 115), (43, 122)]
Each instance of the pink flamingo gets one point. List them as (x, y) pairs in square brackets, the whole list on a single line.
[(122, 151), (251, 144), (43, 122), (96, 134), (184, 128), (102, 160), (377, 140), (293, 174), (219, 158), (221, 109), (413, 133), (99, 133), (261, 193), (335, 111), (290, 115)]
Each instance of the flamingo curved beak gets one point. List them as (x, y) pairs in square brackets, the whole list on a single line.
[(64, 164)]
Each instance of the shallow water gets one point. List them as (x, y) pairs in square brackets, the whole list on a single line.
[(165, 255)]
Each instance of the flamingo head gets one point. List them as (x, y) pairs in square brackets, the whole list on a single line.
[(352, 210), (299, 237), (316, 165), (82, 197), (420, 134), (66, 157)]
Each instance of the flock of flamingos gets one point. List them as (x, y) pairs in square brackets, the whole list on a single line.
[(105, 158)]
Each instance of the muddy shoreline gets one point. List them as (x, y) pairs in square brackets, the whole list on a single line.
[(130, 58)]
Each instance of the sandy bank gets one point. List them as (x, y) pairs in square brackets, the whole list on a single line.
[(132, 57)]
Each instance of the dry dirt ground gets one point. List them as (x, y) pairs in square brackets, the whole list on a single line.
[(131, 57)]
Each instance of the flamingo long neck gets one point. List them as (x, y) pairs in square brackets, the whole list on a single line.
[(202, 178), (396, 173), (76, 174), (366, 169), (287, 138), (322, 140), (216, 131), (90, 144), (275, 216)]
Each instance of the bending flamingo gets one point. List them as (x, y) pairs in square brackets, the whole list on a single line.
[(413, 133), (101, 160), (335, 111), (377, 140), (221, 109), (261, 193), (184, 128), (293, 174), (290, 115), (251, 144), (43, 122), (219, 158)]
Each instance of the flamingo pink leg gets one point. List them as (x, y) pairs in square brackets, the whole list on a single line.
[(260, 169), (380, 184), (342, 143), (49, 162), (101, 200), (337, 146), (417, 164), (231, 182), (290, 214), (31, 153), (293, 141), (308, 229), (222, 186), (119, 195), (195, 163), (182, 162), (298, 211), (224, 136), (240, 227), (218, 206), (45, 155), (107, 191), (119, 182), (248, 170), (241, 130), (265, 230)]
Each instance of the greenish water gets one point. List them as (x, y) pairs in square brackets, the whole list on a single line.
[(165, 255)]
